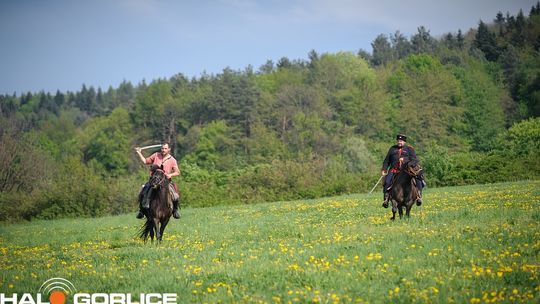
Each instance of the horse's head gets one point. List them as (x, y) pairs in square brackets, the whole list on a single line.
[(158, 178), (413, 168)]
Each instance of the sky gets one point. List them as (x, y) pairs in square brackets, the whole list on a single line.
[(50, 45)]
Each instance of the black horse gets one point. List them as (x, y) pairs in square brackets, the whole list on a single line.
[(403, 192), (160, 209)]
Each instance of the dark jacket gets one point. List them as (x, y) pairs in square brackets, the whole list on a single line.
[(393, 155)]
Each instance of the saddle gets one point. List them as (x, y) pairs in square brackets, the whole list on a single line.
[(173, 193), (392, 182), (146, 196)]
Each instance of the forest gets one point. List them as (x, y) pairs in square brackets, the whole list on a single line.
[(469, 103)]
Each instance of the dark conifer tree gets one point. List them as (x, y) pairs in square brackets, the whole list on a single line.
[(423, 42), (402, 47), (499, 21), (485, 41), (284, 62), (460, 40), (382, 50)]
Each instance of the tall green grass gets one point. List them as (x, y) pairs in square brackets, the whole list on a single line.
[(466, 244)]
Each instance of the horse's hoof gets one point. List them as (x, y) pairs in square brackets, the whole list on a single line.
[(418, 202), (385, 204), (140, 215), (176, 215)]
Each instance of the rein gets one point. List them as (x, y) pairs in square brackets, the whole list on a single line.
[(161, 180), (411, 172)]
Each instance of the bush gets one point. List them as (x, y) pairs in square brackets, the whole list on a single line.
[(479, 168), (438, 165), (77, 191), (277, 181), (521, 139), (15, 206)]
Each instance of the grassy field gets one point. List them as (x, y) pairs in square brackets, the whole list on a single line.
[(472, 244)]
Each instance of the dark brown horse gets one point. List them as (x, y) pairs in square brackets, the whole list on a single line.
[(403, 192), (160, 210)]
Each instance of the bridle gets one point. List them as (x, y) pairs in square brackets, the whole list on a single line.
[(412, 172), (160, 181)]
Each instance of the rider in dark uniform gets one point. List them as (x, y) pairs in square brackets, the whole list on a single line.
[(397, 155)]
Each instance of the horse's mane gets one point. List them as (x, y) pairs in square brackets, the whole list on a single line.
[(412, 163), (153, 168)]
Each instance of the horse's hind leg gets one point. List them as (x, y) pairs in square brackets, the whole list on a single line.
[(400, 211), (394, 210), (152, 234), (408, 211)]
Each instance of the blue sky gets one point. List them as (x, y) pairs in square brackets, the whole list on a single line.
[(60, 44)]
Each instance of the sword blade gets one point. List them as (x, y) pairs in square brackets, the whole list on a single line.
[(150, 147), (376, 184)]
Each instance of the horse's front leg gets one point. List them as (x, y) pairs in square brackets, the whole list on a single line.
[(408, 211), (156, 228), (162, 228), (158, 233)]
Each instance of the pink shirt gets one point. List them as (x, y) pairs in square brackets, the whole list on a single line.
[(168, 164)]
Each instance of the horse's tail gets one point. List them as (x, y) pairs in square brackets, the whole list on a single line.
[(146, 229)]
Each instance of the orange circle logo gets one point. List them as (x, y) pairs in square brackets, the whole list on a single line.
[(57, 297)]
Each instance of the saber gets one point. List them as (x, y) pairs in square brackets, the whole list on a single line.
[(150, 147), (387, 168), (376, 184)]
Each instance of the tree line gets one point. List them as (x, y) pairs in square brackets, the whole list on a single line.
[(469, 102)]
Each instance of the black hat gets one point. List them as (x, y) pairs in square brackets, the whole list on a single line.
[(402, 137)]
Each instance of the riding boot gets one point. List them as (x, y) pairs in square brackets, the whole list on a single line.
[(419, 199), (385, 202), (146, 199), (420, 184), (176, 215), (140, 214)]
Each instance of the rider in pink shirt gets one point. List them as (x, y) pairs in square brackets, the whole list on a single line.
[(166, 162)]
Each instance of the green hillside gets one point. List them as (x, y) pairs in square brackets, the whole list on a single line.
[(469, 102), (469, 244)]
